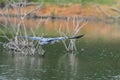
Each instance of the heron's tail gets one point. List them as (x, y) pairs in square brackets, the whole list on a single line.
[(76, 37)]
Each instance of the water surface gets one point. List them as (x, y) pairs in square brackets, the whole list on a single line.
[(97, 58), (94, 61)]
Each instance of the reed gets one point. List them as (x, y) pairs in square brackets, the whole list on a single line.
[(77, 25), (15, 44)]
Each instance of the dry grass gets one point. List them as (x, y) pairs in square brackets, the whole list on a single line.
[(15, 44)]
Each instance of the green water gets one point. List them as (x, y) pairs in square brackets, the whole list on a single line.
[(95, 60)]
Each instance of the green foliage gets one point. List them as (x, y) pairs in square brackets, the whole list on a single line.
[(76, 1), (2, 0)]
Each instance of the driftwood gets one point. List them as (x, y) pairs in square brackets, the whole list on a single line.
[(53, 17), (2, 5), (115, 9), (18, 4)]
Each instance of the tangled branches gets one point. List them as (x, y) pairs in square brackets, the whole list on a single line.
[(23, 47)]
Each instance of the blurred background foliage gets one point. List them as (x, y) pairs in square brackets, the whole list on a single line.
[(109, 2)]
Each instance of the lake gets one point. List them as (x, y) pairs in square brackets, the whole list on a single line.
[(94, 60), (97, 56)]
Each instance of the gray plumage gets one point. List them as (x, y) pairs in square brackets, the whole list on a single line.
[(43, 41)]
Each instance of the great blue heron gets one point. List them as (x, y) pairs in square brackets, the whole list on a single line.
[(43, 41)]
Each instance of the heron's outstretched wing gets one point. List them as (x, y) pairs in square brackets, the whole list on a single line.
[(43, 41), (57, 39), (31, 38), (51, 39)]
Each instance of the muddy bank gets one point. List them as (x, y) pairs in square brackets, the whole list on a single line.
[(63, 10), (92, 13), (51, 18)]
